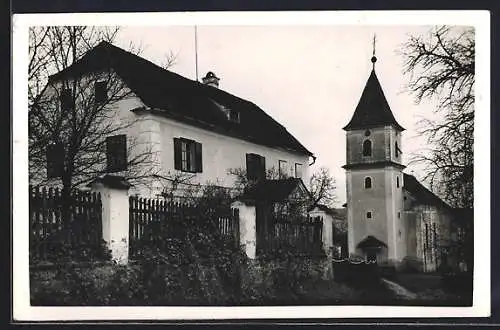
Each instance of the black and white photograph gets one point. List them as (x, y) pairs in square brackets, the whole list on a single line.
[(233, 163)]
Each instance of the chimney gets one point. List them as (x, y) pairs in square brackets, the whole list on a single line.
[(211, 79)]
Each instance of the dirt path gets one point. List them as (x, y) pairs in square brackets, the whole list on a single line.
[(400, 291)]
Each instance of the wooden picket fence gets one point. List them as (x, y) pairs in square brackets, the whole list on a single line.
[(57, 234), (156, 223), (300, 237)]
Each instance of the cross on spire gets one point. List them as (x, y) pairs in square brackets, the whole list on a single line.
[(374, 59)]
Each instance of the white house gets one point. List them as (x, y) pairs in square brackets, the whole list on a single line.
[(183, 128)]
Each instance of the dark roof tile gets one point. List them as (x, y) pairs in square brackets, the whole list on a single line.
[(272, 190), (183, 98), (421, 193), (373, 109)]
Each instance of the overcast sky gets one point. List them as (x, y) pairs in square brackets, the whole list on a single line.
[(309, 78)]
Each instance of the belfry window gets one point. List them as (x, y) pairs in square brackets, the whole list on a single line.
[(367, 148), (368, 182), (396, 149)]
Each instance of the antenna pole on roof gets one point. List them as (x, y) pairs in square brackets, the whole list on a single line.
[(196, 51)]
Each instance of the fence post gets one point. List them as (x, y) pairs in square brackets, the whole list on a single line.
[(247, 227), (115, 214)]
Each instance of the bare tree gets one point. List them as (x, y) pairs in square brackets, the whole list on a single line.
[(72, 118), (322, 187), (242, 181), (441, 68)]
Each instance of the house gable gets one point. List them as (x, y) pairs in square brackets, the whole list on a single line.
[(172, 95)]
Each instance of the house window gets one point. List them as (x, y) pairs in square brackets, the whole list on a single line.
[(100, 92), (116, 153), (369, 215), (187, 155), (282, 170), (233, 116), (298, 170), (397, 182), (396, 149), (368, 182), (66, 99), (256, 167), (367, 148), (55, 160)]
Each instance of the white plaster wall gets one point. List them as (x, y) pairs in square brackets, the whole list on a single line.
[(221, 153), (248, 234), (384, 200), (117, 116), (427, 214), (115, 220), (361, 201), (354, 146), (147, 132), (327, 230)]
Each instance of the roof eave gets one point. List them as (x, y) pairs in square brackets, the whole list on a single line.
[(350, 127), (211, 127)]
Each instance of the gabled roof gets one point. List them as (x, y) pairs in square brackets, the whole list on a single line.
[(339, 213), (183, 99), (421, 193), (274, 190), (373, 109)]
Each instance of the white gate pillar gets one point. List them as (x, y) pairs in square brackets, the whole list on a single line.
[(115, 214), (248, 235)]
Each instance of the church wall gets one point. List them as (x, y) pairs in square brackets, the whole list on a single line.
[(355, 141), (423, 221), (367, 200), (393, 136), (395, 200)]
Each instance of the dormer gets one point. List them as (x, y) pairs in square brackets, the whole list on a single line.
[(231, 115)]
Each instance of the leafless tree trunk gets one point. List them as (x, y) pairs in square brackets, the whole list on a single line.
[(441, 68), (82, 128), (322, 187)]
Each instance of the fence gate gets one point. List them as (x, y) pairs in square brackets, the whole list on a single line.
[(298, 235), (159, 224)]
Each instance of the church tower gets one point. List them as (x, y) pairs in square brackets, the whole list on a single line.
[(374, 178)]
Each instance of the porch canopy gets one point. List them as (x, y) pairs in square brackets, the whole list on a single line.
[(277, 191), (371, 242)]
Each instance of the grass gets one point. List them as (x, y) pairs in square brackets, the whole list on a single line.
[(49, 289), (430, 290)]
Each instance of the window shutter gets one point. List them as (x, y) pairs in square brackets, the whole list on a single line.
[(177, 154), (262, 167), (116, 153), (256, 167), (198, 157), (55, 160), (251, 167), (66, 99), (100, 92)]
